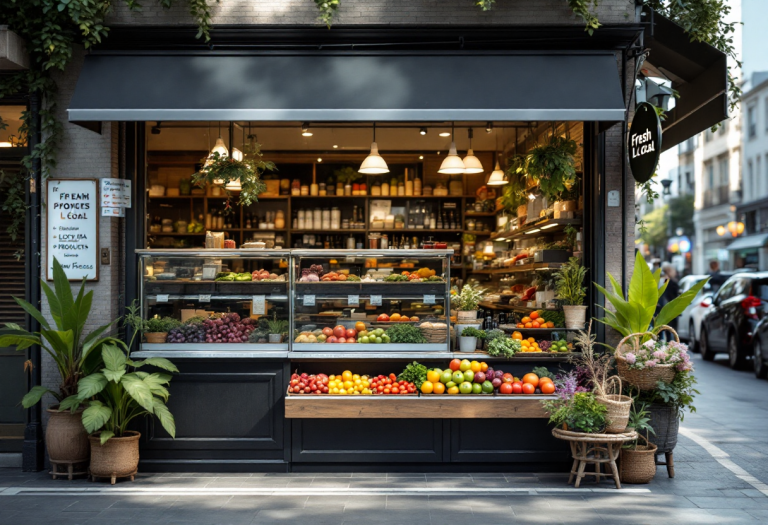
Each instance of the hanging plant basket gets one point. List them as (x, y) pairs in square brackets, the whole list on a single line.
[(646, 378), (553, 166)]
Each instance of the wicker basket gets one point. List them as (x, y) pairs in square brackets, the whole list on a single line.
[(156, 337), (646, 378), (618, 408), (638, 465), (435, 335), (666, 423), (117, 458)]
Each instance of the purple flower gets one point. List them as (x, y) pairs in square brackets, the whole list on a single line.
[(631, 359)]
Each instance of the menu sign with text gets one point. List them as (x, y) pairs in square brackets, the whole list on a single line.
[(72, 222)]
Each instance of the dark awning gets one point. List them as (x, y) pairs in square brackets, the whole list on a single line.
[(749, 242), (533, 86), (698, 72)]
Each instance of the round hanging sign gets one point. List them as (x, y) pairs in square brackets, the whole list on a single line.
[(644, 142)]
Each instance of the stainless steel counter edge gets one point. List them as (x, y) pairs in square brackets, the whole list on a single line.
[(208, 354), (303, 356), (300, 252)]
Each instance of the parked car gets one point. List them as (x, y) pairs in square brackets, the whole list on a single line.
[(689, 322), (730, 323), (760, 349)]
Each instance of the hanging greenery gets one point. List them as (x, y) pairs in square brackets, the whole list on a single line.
[(553, 166), (220, 170), (514, 193)]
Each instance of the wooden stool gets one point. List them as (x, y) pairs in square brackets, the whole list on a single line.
[(594, 449), (56, 467)]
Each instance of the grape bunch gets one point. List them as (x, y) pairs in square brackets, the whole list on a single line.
[(187, 333), (229, 328), (545, 345)]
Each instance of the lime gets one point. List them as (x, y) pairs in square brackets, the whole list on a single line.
[(477, 388)]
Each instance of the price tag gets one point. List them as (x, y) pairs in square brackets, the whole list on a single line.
[(204, 298), (353, 300), (309, 300), (429, 299), (258, 303), (162, 298), (376, 300), (349, 258)]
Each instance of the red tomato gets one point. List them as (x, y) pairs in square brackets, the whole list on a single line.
[(528, 388), (393, 377), (339, 331), (517, 388), (505, 388), (350, 332), (387, 390), (327, 331), (395, 390), (455, 364), (341, 340)]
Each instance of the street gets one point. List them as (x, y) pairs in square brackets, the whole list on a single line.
[(721, 477)]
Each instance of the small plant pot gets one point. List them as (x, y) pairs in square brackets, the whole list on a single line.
[(117, 458), (638, 465), (466, 316), (467, 344), (275, 338), (575, 316), (156, 337)]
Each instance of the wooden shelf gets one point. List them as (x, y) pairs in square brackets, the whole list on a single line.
[(415, 407), (479, 232), (546, 227), (176, 234), (480, 214), (520, 268)]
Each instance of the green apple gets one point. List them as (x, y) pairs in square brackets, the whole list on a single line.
[(446, 377), (477, 388), (364, 340), (469, 375), (465, 365), (378, 340), (438, 371), (450, 384), (384, 338), (458, 377), (465, 387), (487, 387)]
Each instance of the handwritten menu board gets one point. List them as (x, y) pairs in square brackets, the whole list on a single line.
[(72, 227)]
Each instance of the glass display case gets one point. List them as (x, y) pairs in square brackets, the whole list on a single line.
[(371, 300), (215, 299)]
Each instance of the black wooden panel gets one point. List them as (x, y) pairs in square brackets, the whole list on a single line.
[(226, 409), (505, 440), (13, 386), (367, 440)]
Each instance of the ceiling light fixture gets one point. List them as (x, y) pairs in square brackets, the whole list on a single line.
[(335, 146), (423, 131), (489, 127), (472, 164), (444, 134), (219, 147), (319, 159), (305, 131), (421, 157), (548, 226), (498, 177), (537, 230), (373, 163), (452, 163)]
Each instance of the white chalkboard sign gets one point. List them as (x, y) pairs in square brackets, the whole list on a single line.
[(72, 228)]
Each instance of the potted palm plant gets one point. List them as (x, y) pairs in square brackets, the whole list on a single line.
[(75, 354), (569, 287), (114, 397), (277, 327)]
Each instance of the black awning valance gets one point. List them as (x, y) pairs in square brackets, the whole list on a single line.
[(350, 87), (698, 71)]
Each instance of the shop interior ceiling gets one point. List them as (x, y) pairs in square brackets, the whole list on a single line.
[(339, 137)]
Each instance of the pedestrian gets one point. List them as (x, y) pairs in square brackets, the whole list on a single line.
[(714, 267), (669, 276)]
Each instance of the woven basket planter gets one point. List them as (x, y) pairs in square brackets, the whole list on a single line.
[(618, 408), (156, 337), (665, 422), (646, 378), (435, 335), (638, 465), (117, 458), (66, 438)]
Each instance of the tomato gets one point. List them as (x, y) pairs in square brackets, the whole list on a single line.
[(547, 387), (455, 364), (339, 331), (395, 390), (387, 391), (393, 377), (327, 331), (505, 388), (517, 388), (350, 333), (528, 388)]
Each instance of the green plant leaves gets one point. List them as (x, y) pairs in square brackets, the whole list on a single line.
[(91, 385), (71, 403), (114, 359), (34, 396), (159, 362), (105, 435), (139, 391), (96, 416), (165, 417), (676, 306)]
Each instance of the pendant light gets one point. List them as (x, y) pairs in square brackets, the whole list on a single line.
[(235, 185), (373, 163), (472, 164), (219, 147), (452, 163), (497, 177)]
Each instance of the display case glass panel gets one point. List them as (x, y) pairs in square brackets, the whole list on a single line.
[(215, 299), (368, 300)]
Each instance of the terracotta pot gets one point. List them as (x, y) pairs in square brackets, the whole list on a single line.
[(117, 458), (65, 436), (156, 337)]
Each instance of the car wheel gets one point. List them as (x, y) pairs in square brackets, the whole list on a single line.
[(761, 367), (706, 353), (736, 357), (693, 344)]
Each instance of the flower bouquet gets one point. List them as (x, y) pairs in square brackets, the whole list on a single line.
[(644, 364)]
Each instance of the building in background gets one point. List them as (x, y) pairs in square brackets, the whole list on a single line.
[(750, 250)]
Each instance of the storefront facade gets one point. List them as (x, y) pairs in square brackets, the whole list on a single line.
[(523, 66)]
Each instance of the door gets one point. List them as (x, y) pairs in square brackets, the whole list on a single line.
[(714, 321)]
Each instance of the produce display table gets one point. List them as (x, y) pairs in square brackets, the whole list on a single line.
[(594, 449)]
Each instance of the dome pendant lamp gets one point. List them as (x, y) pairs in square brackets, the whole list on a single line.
[(373, 163), (219, 147), (498, 177), (472, 164), (452, 163)]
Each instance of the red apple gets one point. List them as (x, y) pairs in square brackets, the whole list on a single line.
[(339, 331), (327, 331), (342, 340), (350, 333), (384, 318), (351, 340), (332, 339)]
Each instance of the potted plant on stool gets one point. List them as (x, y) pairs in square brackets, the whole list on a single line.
[(75, 355), (569, 287), (115, 396)]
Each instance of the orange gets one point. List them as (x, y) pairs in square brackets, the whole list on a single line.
[(531, 339), (528, 325), (535, 324), (528, 388), (550, 324), (483, 366), (543, 380), (475, 366), (438, 388), (453, 390), (433, 376), (531, 379), (394, 317), (427, 387), (359, 326), (534, 315), (547, 387), (517, 335), (346, 375), (525, 320)]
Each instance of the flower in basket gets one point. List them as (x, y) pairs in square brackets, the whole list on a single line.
[(655, 353)]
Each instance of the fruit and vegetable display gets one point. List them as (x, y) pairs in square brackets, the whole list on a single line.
[(316, 273), (399, 333), (347, 383), (536, 320), (256, 275), (473, 377), (396, 318), (227, 328), (530, 344)]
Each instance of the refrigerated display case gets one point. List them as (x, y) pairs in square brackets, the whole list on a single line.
[(371, 300), (221, 300)]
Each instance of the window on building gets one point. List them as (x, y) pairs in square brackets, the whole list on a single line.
[(766, 114), (708, 136), (751, 122), (723, 128), (757, 183), (710, 168), (750, 222), (749, 176), (723, 169), (689, 181), (11, 135)]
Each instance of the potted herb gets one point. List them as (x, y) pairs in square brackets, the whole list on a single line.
[(156, 329), (638, 462), (277, 327), (467, 302), (569, 287), (553, 166), (114, 397), (75, 354), (469, 337), (579, 412)]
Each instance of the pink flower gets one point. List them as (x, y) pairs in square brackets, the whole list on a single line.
[(649, 344), (659, 354), (631, 359), (651, 363)]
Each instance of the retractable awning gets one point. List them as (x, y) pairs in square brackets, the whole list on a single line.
[(371, 87), (699, 73), (749, 242)]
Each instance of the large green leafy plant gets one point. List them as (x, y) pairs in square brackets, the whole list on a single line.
[(514, 193), (553, 166), (75, 355), (569, 282), (115, 396), (634, 314), (469, 297)]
